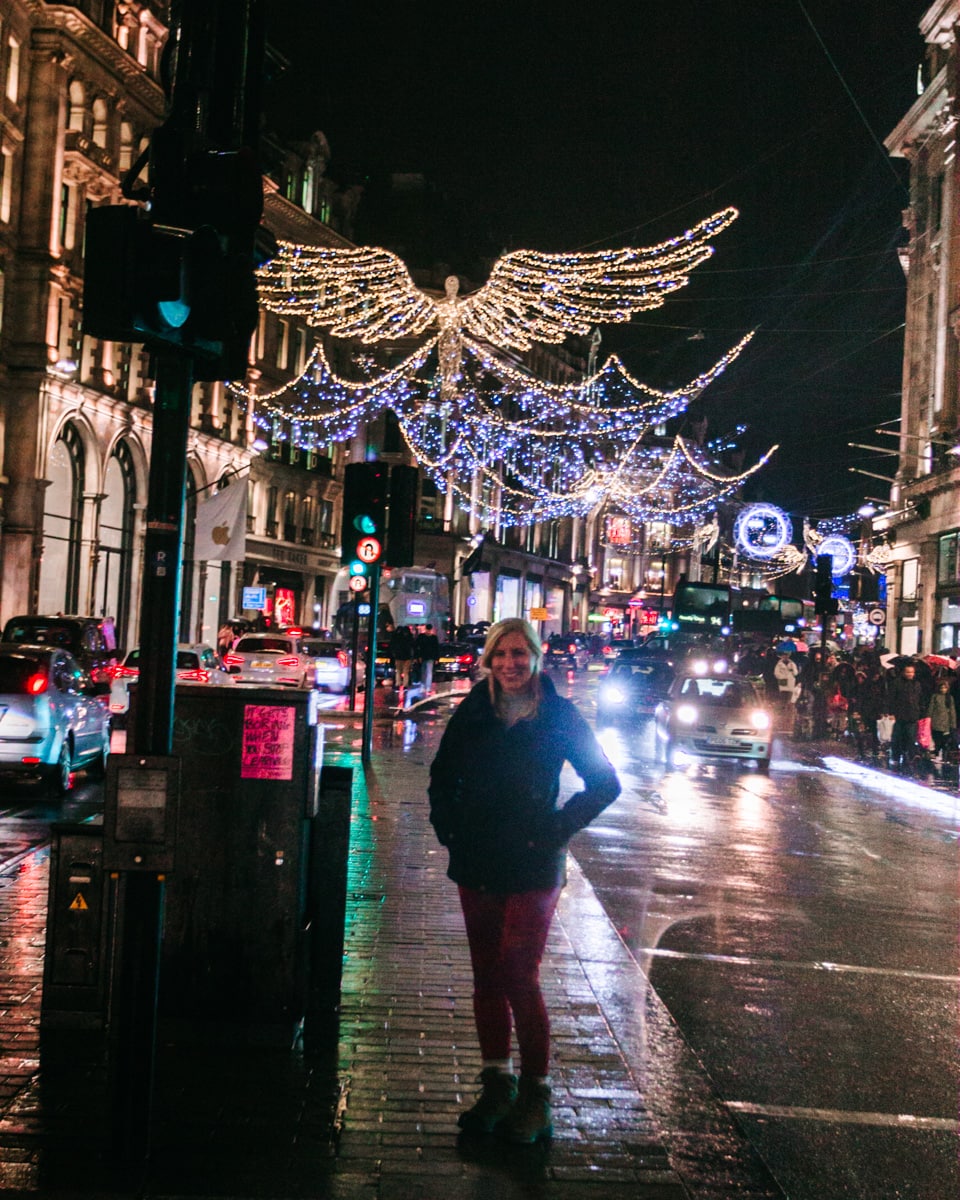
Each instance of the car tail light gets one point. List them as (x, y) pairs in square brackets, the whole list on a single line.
[(293, 632), (35, 685), (126, 673), (342, 658), (118, 708), (466, 659), (233, 660), (572, 649), (197, 675), (289, 660), (30, 762)]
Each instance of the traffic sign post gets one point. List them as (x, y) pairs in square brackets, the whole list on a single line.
[(877, 616)]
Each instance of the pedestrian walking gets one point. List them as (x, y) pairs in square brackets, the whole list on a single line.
[(426, 649), (401, 651), (225, 639), (905, 704), (494, 785), (943, 718), (785, 673)]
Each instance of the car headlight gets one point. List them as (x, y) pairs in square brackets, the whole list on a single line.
[(686, 714), (614, 695), (699, 666), (720, 666), (759, 719)]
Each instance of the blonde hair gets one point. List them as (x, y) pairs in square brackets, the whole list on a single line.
[(495, 635)]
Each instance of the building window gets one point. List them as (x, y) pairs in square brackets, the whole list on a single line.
[(75, 113), (910, 580), (299, 350), (62, 525), (308, 521), (948, 562), (6, 183), (283, 344), (13, 69), (126, 146), (271, 521), (115, 552), (100, 128), (290, 517)]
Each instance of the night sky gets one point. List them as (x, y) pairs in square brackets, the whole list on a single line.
[(563, 126)]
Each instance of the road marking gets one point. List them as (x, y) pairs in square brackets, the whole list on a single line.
[(840, 968), (838, 1116)]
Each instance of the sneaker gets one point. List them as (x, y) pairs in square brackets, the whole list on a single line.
[(494, 1103), (531, 1119)]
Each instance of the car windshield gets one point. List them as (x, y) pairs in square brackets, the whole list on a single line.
[(39, 633), (256, 644), (321, 649), (15, 670), (724, 693), (640, 673)]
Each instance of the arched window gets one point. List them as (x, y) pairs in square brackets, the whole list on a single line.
[(100, 115), (59, 589), (290, 517), (188, 572), (114, 553), (78, 101)]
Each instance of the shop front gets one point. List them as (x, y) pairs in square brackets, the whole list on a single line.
[(293, 586)]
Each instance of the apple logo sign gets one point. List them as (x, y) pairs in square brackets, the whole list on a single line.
[(220, 535)]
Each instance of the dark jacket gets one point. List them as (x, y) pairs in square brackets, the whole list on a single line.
[(401, 644), (493, 792), (426, 647), (905, 699)]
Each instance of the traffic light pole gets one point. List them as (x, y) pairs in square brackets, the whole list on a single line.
[(134, 1047), (366, 741)]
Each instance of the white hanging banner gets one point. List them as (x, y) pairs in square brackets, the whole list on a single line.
[(221, 532)]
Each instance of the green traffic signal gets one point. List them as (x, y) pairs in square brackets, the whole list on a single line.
[(365, 524), (357, 567)]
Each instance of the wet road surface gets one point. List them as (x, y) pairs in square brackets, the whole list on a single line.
[(802, 931)]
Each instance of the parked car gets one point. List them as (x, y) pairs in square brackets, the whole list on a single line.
[(51, 720), (383, 664), (713, 715), (329, 665), (632, 688), (89, 640), (268, 658), (566, 650), (197, 664), (457, 660)]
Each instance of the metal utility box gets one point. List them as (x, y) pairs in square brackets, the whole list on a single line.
[(80, 908), (235, 959)]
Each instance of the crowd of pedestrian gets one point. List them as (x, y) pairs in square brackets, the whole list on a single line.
[(898, 710)]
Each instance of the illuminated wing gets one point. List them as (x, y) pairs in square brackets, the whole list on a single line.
[(533, 297), (366, 294)]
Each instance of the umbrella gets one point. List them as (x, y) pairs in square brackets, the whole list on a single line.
[(787, 647), (802, 647), (940, 660)]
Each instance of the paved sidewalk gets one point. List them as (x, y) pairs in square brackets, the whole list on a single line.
[(371, 1113)]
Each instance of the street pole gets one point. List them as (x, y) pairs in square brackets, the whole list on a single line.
[(354, 654), (366, 741), (142, 903)]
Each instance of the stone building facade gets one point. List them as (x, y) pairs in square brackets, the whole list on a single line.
[(923, 523)]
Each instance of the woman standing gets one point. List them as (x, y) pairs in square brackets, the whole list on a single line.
[(493, 803)]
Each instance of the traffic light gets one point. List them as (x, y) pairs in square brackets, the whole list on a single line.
[(404, 487), (363, 530), (824, 603), (187, 281)]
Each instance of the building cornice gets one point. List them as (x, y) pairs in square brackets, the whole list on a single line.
[(931, 107), (54, 23), (283, 216)]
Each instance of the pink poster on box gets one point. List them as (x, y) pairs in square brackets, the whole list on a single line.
[(267, 751)]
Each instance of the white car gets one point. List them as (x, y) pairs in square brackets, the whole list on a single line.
[(713, 715), (195, 664), (329, 669), (269, 658), (51, 720)]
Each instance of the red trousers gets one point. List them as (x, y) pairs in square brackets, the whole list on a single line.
[(507, 936)]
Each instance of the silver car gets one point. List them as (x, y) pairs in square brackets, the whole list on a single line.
[(52, 720), (195, 664), (329, 665), (268, 658), (713, 716)]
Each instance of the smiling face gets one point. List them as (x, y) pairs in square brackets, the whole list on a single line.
[(511, 663)]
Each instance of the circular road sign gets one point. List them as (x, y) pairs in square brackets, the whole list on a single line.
[(357, 583), (368, 549), (876, 616)]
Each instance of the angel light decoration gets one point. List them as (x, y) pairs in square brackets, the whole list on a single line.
[(530, 297)]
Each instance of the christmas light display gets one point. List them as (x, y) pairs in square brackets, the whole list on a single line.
[(762, 531), (510, 447), (843, 552)]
